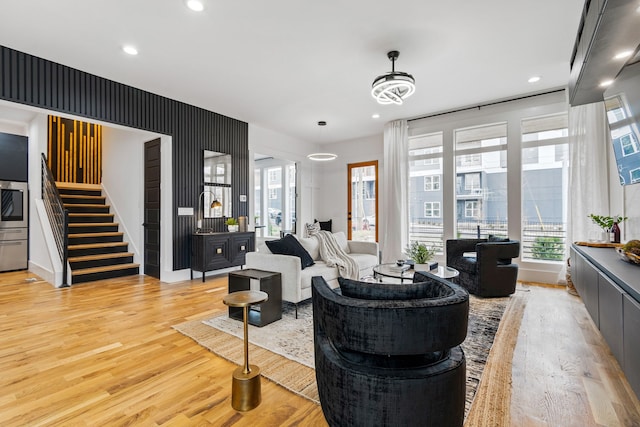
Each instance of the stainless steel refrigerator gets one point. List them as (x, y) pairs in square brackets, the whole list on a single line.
[(14, 225)]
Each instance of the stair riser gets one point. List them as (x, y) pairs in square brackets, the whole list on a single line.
[(75, 201), (85, 219), (97, 251), (94, 229), (92, 209), (69, 191), (101, 262), (102, 239), (104, 275)]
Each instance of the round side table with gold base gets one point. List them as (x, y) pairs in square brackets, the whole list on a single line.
[(245, 389)]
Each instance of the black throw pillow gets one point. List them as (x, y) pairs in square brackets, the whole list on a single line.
[(493, 238), (324, 225), (289, 245), (431, 288)]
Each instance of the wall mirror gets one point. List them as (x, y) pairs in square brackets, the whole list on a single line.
[(217, 185)]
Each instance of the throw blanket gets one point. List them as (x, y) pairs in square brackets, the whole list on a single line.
[(334, 256)]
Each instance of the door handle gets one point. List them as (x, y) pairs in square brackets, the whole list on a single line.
[(144, 224)]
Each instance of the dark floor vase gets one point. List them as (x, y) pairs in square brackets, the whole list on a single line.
[(392, 361)]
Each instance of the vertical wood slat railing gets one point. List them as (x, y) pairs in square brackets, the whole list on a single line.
[(58, 215)]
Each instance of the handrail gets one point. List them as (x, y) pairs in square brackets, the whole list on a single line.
[(58, 215)]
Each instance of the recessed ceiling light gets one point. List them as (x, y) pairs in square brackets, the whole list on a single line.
[(624, 54), (375, 116), (606, 83), (130, 50), (534, 79), (195, 5)]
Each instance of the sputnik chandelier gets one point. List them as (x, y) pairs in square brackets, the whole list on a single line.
[(393, 87)]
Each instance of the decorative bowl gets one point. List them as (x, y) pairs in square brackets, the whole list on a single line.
[(628, 256)]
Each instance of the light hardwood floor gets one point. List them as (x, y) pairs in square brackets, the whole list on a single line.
[(104, 353)]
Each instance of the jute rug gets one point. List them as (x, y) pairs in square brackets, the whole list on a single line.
[(284, 349)]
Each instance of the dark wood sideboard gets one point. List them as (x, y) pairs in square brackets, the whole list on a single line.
[(213, 251), (610, 290)]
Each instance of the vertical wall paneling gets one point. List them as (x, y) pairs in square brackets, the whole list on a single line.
[(75, 150), (61, 89)]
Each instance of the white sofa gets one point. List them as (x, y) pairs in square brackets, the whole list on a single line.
[(296, 282)]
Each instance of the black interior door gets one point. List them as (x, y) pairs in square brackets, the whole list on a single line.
[(152, 208)]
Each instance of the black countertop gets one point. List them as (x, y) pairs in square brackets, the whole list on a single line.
[(624, 274)]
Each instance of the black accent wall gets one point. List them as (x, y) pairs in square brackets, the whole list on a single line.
[(34, 81)]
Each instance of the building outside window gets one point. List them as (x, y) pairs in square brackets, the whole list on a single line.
[(471, 181), (432, 183), (432, 209), (472, 209), (629, 144)]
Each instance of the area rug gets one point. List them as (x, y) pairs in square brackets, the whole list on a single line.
[(284, 349)]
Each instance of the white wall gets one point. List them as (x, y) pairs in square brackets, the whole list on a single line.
[(123, 183), (41, 257), (333, 193), (7, 126)]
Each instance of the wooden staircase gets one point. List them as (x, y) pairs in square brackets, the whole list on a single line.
[(96, 247)]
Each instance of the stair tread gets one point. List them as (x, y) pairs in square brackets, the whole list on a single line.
[(85, 205), (100, 256), (97, 245), (80, 196), (99, 234), (77, 186), (104, 268), (90, 213), (93, 224)]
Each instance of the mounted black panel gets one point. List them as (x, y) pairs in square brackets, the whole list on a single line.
[(606, 27)]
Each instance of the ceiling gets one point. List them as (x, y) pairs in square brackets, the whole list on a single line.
[(286, 64)]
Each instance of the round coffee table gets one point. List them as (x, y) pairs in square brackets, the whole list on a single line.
[(393, 271)]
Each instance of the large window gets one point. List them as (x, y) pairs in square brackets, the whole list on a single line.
[(544, 188), (425, 190), (500, 170), (481, 178)]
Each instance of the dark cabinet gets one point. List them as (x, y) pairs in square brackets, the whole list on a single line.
[(610, 305), (631, 365), (610, 290), (213, 251)]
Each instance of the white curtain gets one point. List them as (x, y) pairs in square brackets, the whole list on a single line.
[(394, 191), (588, 171)]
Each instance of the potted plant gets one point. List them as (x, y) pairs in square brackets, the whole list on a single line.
[(421, 254), (232, 224), (606, 223)]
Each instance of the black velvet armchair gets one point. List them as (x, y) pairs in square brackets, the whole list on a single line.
[(485, 265), (389, 354)]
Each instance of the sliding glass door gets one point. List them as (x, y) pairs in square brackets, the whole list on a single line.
[(275, 196)]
